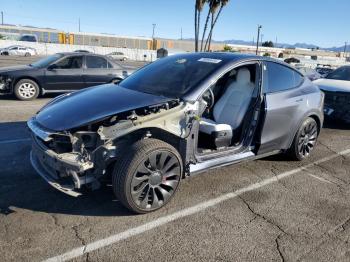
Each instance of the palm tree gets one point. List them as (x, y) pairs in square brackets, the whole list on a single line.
[(214, 19), (197, 15), (210, 2)]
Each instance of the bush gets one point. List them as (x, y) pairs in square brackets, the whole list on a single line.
[(267, 54), (227, 48)]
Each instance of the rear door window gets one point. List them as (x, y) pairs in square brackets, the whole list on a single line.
[(72, 62), (279, 78), (96, 62)]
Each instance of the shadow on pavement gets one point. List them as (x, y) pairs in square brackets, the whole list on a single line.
[(13, 98), (335, 124), (21, 187)]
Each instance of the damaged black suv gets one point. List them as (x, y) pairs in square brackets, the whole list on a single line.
[(173, 118)]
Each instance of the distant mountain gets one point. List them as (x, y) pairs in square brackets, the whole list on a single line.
[(283, 45), (298, 45), (338, 49)]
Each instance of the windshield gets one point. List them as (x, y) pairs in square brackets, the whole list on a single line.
[(342, 73), (46, 61), (173, 76)]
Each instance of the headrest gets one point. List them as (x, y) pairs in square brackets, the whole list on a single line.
[(243, 76)]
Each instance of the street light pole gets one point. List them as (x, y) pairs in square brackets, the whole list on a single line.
[(154, 26), (345, 46), (79, 24), (2, 17), (257, 40)]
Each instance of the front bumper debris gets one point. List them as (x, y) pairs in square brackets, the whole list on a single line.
[(66, 172), (5, 85)]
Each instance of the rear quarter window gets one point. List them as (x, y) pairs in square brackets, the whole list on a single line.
[(279, 78)]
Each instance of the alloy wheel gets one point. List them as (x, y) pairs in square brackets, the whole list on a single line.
[(155, 179), (307, 139), (27, 90)]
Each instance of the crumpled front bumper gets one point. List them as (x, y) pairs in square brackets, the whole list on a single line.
[(5, 85), (65, 172)]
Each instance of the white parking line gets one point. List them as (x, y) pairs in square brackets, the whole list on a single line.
[(14, 141), (80, 251), (319, 178), (21, 106)]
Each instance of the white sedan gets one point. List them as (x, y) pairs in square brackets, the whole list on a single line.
[(118, 56), (336, 87), (18, 50)]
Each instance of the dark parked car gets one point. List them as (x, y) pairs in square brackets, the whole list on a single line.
[(62, 72), (336, 86), (178, 116), (324, 70)]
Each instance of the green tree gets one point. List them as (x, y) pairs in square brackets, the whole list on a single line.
[(227, 48), (268, 44), (1, 37)]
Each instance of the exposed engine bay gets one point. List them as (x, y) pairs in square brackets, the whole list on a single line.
[(81, 156)]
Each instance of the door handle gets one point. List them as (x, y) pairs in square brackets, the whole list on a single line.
[(299, 100)]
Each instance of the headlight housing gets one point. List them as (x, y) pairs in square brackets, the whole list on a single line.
[(4, 82)]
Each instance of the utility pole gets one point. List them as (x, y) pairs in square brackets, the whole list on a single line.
[(79, 24), (181, 33), (2, 17), (257, 40), (345, 46), (276, 42), (154, 26)]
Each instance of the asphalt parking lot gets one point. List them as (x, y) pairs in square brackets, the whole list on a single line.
[(265, 210)]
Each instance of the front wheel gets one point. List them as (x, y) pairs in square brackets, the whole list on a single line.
[(305, 140), (147, 176), (26, 90)]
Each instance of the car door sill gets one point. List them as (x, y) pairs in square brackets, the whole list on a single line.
[(57, 91), (227, 160)]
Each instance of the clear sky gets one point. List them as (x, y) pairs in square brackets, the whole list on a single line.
[(322, 22)]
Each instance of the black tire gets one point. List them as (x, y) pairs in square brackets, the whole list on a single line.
[(305, 140), (26, 90), (27, 54), (155, 187)]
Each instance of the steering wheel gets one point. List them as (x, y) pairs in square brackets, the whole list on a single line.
[(208, 97)]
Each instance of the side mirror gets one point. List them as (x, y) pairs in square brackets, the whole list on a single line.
[(52, 67)]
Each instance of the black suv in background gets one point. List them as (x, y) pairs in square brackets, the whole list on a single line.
[(59, 73)]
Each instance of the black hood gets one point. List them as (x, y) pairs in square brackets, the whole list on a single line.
[(92, 104), (13, 69)]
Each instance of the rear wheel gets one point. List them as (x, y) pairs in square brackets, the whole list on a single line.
[(304, 140), (26, 90), (147, 176)]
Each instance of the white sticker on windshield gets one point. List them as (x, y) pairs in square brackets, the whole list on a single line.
[(210, 60)]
